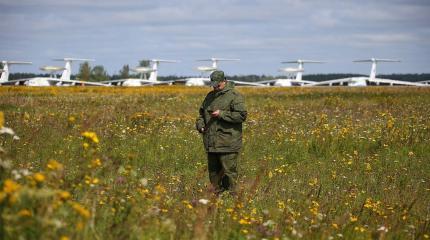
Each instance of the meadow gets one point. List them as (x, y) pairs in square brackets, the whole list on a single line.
[(127, 163)]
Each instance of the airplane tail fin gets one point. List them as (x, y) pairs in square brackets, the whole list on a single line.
[(374, 61), (68, 66), (154, 73), (5, 71), (301, 62)]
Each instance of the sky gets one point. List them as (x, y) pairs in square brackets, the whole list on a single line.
[(262, 33)]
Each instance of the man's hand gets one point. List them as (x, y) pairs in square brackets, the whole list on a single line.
[(215, 114)]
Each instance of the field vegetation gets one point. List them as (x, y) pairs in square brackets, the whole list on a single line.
[(127, 163)]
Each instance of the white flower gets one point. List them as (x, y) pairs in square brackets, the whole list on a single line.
[(383, 229), (203, 201)]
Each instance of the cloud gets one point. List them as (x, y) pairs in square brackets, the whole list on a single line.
[(270, 30)]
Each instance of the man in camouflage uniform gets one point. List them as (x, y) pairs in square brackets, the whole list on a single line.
[(220, 121)]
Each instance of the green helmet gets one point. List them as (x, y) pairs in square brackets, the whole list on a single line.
[(217, 77)]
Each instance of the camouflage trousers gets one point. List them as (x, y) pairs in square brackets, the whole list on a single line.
[(223, 171)]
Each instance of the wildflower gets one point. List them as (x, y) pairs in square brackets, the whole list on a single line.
[(54, 165), (244, 221), (95, 163), (204, 201), (10, 186), (72, 119), (335, 226), (64, 238), (95, 181), (281, 205), (353, 218), (160, 189), (64, 195), (39, 177), (85, 145), (313, 182), (24, 213), (229, 210), (92, 136), (143, 182), (81, 210), (187, 204)]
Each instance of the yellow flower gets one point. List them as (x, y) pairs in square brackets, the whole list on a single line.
[(39, 177), (64, 195), (54, 165), (1, 119), (10, 186), (96, 163), (92, 136), (64, 238), (335, 226), (95, 180), (81, 210), (243, 221), (24, 213), (72, 119), (313, 182), (353, 218)]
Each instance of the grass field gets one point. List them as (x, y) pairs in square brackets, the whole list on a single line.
[(127, 163)]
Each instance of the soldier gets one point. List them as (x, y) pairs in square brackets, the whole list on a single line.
[(220, 121)]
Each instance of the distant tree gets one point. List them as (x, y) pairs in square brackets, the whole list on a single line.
[(125, 72), (144, 63), (84, 72), (1, 65), (98, 74)]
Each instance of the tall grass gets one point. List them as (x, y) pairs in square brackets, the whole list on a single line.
[(126, 163)]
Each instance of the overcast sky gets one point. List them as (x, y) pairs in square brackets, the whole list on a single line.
[(262, 33)]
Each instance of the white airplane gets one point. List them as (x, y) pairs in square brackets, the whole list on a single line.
[(288, 82), (202, 81), (426, 82), (64, 80), (143, 80), (5, 71), (367, 81)]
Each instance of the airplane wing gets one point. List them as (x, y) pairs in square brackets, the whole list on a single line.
[(334, 82), (266, 82), (270, 82), (15, 82), (149, 82), (382, 81), (242, 83)]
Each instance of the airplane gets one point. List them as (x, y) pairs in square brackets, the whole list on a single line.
[(5, 71), (64, 80), (372, 80), (288, 82), (426, 82), (202, 81), (143, 80)]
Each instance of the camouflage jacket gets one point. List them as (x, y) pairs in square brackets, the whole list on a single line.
[(224, 133)]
